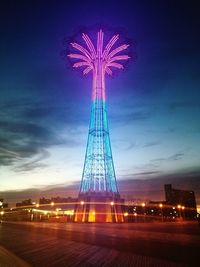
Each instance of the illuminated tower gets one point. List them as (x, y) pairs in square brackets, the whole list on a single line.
[(99, 186)]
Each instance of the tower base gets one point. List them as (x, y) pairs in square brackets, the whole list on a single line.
[(99, 207)]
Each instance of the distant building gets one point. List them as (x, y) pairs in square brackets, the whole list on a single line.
[(44, 200), (61, 203), (26, 202), (183, 199), (179, 205)]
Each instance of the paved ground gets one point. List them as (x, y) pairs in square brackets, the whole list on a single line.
[(136, 244), (8, 259)]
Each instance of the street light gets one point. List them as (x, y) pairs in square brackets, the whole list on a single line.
[(179, 210), (82, 202), (183, 208), (112, 203), (143, 205), (2, 213), (161, 206)]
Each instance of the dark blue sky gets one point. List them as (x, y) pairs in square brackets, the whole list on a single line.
[(153, 106)]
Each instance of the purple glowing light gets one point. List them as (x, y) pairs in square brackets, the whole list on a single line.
[(99, 59)]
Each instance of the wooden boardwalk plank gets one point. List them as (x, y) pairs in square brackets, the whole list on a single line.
[(57, 245)]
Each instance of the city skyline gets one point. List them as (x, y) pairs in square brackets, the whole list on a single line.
[(154, 106)]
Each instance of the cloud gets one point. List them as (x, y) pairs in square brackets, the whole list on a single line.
[(150, 144), (30, 167), (34, 163), (141, 174), (174, 157), (158, 160), (20, 139), (25, 129), (131, 146), (47, 110), (135, 145), (23, 139), (147, 173)]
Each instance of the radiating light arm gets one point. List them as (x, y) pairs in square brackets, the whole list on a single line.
[(78, 56), (87, 70), (108, 71), (115, 65), (109, 45), (89, 45), (121, 57), (81, 64), (117, 50), (82, 49)]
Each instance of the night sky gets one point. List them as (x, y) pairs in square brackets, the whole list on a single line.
[(153, 105)]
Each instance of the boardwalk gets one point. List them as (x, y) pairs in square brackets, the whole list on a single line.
[(142, 244)]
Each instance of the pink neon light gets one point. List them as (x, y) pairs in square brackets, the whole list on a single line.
[(122, 57), (78, 56), (116, 65), (117, 50), (108, 71), (87, 70), (99, 60), (81, 49), (89, 45), (81, 64), (110, 44)]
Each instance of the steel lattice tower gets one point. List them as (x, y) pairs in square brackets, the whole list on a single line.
[(98, 172)]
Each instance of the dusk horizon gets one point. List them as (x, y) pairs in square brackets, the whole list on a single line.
[(135, 190)]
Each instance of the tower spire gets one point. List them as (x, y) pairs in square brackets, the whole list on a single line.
[(98, 172)]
